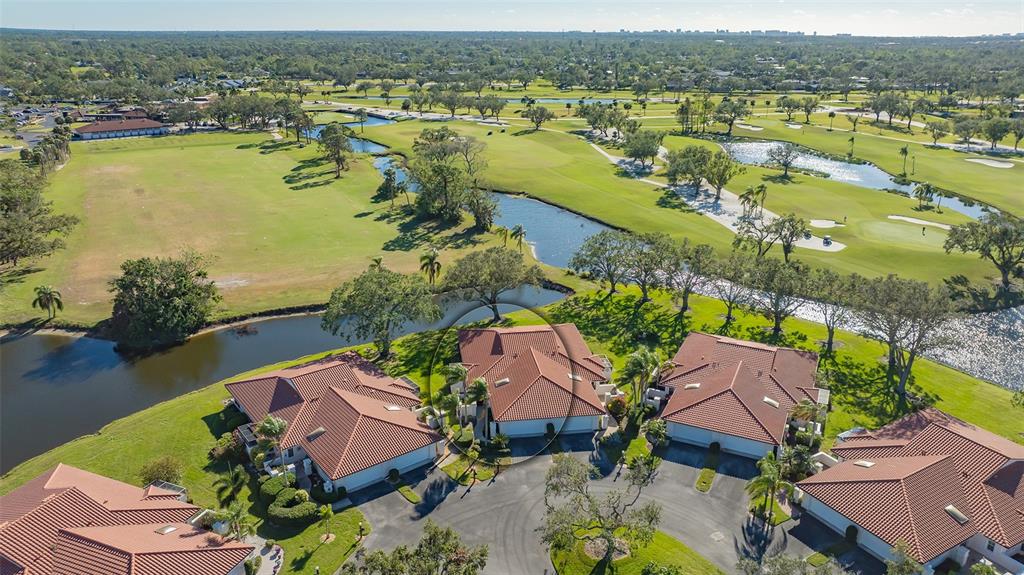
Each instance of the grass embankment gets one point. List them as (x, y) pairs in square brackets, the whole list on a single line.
[(567, 171), (185, 428), (279, 229), (663, 550), (942, 167)]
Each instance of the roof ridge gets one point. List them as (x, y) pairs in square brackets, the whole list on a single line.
[(705, 400), (747, 407), (526, 387), (910, 512)]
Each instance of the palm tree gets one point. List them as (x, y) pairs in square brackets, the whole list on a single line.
[(228, 486), (644, 368), (768, 484), (326, 514), (808, 411), (831, 117), (477, 391), (361, 118), (376, 262), (747, 201), (49, 299), (272, 429), (449, 402), (430, 265), (904, 151), (924, 193), (454, 373), (503, 232), (519, 234), (238, 521)]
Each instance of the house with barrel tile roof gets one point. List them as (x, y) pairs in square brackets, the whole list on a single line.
[(539, 378), (734, 393), (69, 521), (349, 424), (948, 490)]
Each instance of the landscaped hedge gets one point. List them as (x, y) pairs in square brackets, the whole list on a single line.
[(270, 488)]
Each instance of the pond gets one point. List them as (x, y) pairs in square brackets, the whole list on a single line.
[(56, 387), (359, 145), (864, 175), (554, 234)]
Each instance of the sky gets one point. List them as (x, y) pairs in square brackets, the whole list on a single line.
[(862, 17)]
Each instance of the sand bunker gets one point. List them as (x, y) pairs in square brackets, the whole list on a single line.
[(794, 126), (824, 224), (991, 163), (919, 222), (749, 127)]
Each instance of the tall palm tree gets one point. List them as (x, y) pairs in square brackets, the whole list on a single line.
[(747, 201), (477, 391), (519, 234), (503, 232), (643, 368), (228, 486), (831, 118), (430, 265), (904, 151), (768, 484), (454, 373), (49, 299), (237, 518)]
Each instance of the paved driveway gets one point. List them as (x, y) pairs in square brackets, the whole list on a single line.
[(504, 512)]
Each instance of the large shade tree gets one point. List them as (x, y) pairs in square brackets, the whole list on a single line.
[(377, 303), (482, 276)]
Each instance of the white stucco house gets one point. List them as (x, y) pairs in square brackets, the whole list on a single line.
[(539, 379), (733, 393), (948, 490), (349, 424)]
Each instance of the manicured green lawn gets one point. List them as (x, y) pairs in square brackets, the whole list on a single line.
[(461, 470), (279, 229), (939, 166), (185, 428), (779, 516), (706, 478), (663, 550)]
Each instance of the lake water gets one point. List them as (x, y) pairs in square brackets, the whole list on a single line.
[(553, 233), (56, 388), (864, 175)]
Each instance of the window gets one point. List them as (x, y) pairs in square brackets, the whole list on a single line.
[(991, 545), (289, 452)]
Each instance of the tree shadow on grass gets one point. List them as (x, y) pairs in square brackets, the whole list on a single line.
[(982, 297), (866, 391), (415, 232), (276, 146), (12, 276), (622, 321), (670, 199), (778, 179)]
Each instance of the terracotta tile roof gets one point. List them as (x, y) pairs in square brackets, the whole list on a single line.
[(291, 393), (141, 550), (727, 399), (118, 125), (67, 498), (988, 471), (787, 374), (359, 432), (534, 372), (899, 499)]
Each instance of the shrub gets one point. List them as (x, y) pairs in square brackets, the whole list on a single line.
[(271, 488), (320, 496), (165, 468), (269, 543), (259, 458), (301, 496), (227, 448), (281, 512), (617, 408), (252, 566)]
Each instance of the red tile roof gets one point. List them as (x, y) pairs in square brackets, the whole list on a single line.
[(721, 384), (141, 550), (333, 394), (985, 469), (359, 432), (67, 498), (899, 499), (728, 400), (118, 125), (550, 371)]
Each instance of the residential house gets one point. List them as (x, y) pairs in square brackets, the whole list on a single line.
[(539, 378), (70, 522), (121, 129), (734, 393), (349, 424), (947, 489)]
